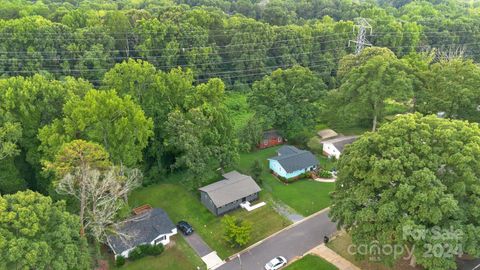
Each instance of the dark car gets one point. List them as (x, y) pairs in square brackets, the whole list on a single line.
[(185, 228)]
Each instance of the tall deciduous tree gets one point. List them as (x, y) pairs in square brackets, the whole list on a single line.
[(416, 174), (288, 99), (200, 130), (370, 79), (118, 124), (251, 134), (452, 87), (36, 233)]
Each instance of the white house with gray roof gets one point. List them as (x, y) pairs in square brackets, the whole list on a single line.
[(226, 195), (150, 227), (291, 162), (334, 147)]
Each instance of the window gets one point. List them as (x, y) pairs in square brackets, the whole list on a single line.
[(162, 238)]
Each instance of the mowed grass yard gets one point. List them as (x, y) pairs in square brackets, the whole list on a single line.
[(311, 262), (304, 196), (181, 204), (177, 256)]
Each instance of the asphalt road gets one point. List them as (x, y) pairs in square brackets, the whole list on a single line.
[(468, 264), (295, 241)]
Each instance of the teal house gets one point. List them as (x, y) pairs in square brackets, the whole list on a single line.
[(291, 162)]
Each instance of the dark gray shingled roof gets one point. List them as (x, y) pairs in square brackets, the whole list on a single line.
[(341, 142), (234, 187), (271, 134), (293, 159), (287, 150), (140, 229)]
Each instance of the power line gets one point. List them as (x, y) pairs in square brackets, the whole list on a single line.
[(184, 49), (225, 74), (156, 57), (188, 49), (205, 64)]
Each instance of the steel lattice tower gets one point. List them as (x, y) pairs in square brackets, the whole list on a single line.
[(362, 25)]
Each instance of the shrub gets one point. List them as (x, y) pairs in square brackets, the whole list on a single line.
[(145, 250), (325, 174), (119, 261), (237, 231), (153, 250), (136, 254), (304, 175)]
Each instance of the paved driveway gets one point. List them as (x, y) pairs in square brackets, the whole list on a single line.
[(197, 243), (289, 243)]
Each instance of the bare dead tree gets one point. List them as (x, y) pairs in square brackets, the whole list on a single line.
[(103, 194)]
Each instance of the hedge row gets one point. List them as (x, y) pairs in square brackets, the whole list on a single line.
[(140, 252)]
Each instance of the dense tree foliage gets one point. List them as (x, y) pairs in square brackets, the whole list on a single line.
[(9, 179), (390, 180), (369, 81), (288, 99), (201, 130), (36, 233), (31, 102), (156, 53), (9, 134), (118, 124), (164, 86), (451, 86), (86, 40)]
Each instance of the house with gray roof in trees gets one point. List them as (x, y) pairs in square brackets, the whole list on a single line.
[(334, 147), (291, 162), (227, 195), (152, 226)]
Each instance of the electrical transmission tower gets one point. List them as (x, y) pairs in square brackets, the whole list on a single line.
[(363, 26)]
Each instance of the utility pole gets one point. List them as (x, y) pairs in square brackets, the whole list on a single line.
[(362, 25)]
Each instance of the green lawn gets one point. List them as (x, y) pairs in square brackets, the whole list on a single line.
[(304, 196), (177, 256), (311, 262), (181, 204)]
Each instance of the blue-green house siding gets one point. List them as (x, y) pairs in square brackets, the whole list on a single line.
[(279, 170)]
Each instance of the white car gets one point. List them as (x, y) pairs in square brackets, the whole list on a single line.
[(276, 263)]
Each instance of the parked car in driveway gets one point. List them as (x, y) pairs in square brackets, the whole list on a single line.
[(276, 263), (184, 227)]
